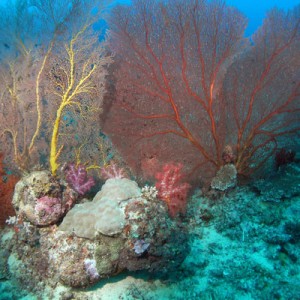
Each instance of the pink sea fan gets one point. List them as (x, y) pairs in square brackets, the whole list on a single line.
[(77, 177), (171, 189), (113, 171)]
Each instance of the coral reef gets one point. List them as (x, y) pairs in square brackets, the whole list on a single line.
[(249, 246), (167, 94), (121, 221), (279, 186), (242, 246), (42, 199), (121, 229)]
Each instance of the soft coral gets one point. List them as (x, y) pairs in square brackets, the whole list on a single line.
[(171, 189), (7, 184), (77, 177)]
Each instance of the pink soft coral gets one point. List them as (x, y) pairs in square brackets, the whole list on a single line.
[(171, 190), (113, 171), (77, 177)]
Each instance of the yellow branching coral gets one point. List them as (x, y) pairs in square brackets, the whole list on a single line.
[(51, 81), (75, 82)]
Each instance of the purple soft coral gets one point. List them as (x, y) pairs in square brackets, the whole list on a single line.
[(77, 177)]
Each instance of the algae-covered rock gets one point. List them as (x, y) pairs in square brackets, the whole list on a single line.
[(42, 199), (107, 255)]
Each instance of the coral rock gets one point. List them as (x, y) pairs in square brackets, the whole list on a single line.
[(226, 178), (42, 199)]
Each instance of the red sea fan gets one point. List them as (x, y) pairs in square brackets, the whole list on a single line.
[(7, 185), (171, 189)]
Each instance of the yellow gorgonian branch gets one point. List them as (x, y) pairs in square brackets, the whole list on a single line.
[(14, 87), (14, 136), (69, 94), (12, 90), (21, 158), (38, 99)]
